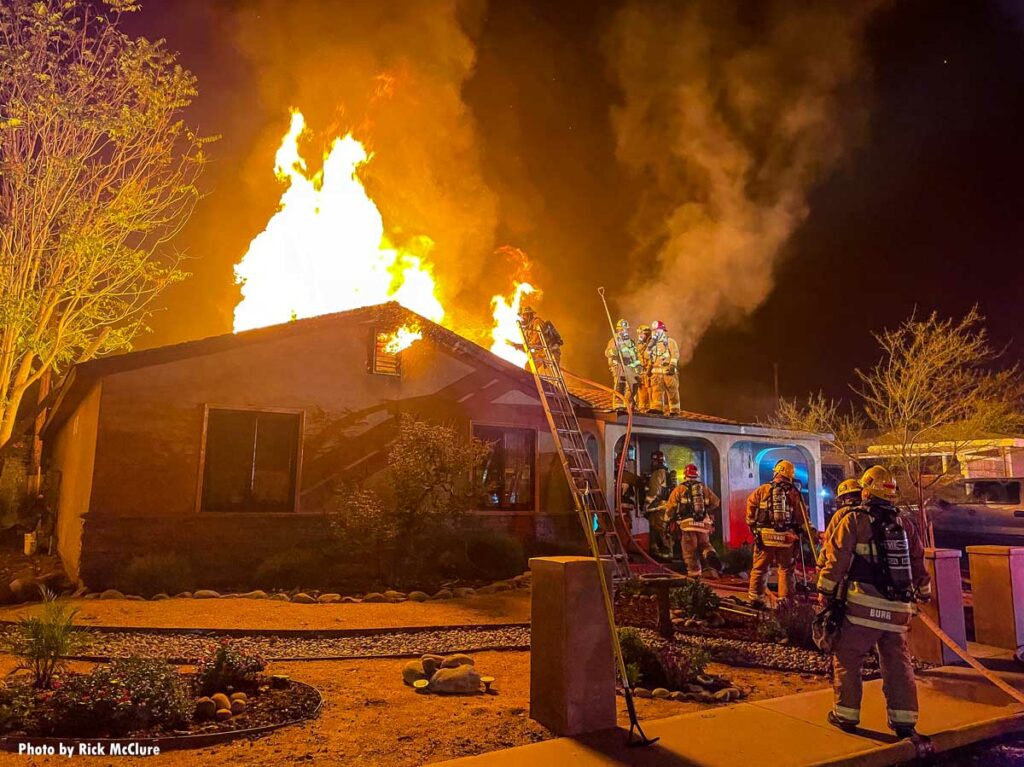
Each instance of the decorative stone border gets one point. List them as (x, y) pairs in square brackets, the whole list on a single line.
[(11, 743)]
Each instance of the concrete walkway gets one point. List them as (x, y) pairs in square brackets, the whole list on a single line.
[(958, 708)]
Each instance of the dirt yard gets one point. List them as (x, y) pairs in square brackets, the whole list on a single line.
[(504, 607), (371, 719)]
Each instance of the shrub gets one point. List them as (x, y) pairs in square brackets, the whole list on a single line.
[(130, 694), (292, 568), (149, 574), (681, 664), (42, 642), (795, 621), (695, 599), (232, 666), (16, 707), (769, 629), (736, 560)]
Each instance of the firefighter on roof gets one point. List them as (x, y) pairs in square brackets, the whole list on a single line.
[(624, 364), (691, 504), (776, 516), (664, 354), (874, 569), (643, 348)]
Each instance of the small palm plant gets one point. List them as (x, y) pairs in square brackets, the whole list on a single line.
[(43, 642)]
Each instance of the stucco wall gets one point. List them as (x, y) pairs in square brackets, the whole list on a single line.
[(150, 439), (73, 455)]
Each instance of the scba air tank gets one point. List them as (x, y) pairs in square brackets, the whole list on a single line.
[(782, 514)]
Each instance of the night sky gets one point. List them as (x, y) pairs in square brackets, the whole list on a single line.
[(923, 207)]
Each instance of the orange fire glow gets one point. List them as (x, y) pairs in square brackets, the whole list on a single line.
[(505, 334), (325, 250)]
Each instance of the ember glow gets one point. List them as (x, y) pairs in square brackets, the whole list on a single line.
[(506, 335), (401, 339), (324, 250)]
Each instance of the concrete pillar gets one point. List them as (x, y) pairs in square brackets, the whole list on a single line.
[(997, 591), (946, 609), (572, 664)]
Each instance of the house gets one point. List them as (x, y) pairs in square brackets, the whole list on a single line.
[(231, 448)]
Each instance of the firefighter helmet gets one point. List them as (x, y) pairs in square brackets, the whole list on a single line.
[(879, 482), (691, 471), (848, 486), (786, 469), (622, 326), (658, 325), (643, 330), (658, 459)]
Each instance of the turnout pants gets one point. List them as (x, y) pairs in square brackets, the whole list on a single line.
[(766, 557), (643, 395), (626, 390), (851, 648), (665, 392), (695, 546), (658, 543)]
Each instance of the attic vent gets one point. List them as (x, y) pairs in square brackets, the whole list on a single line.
[(382, 361)]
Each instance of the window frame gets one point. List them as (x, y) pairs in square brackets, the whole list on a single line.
[(296, 508), (483, 510), (375, 334)]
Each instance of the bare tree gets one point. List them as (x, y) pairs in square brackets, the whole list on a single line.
[(97, 173), (844, 429), (935, 392)]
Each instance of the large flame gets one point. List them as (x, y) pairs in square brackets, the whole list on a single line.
[(401, 339), (506, 336), (325, 250)]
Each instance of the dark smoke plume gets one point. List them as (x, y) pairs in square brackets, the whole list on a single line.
[(730, 112)]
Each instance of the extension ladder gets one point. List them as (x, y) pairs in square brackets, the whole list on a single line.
[(588, 497)]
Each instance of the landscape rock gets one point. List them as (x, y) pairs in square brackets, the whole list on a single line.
[(279, 598), (257, 594), (230, 596), (677, 695), (238, 706), (206, 594), (392, 594), (641, 692), (456, 660), (328, 599), (350, 600), (464, 591), (221, 700), (303, 598), (413, 671), (431, 663), (111, 594), (183, 595), (502, 586), (91, 595), (205, 709), (159, 597), (723, 695), (455, 681), (418, 596), (659, 692), (375, 596), (443, 594)]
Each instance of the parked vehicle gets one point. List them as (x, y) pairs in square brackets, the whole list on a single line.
[(991, 513)]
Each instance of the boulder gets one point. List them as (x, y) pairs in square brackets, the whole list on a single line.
[(230, 596), (464, 591), (223, 713), (91, 595), (455, 681), (183, 595), (328, 599), (238, 696), (349, 600), (279, 598), (443, 594), (205, 709), (677, 695), (418, 596), (159, 597), (221, 700), (502, 586), (660, 692), (431, 663), (206, 594), (455, 660), (238, 706), (303, 598), (723, 696), (394, 595), (375, 596), (641, 692), (257, 594), (412, 671), (111, 594)]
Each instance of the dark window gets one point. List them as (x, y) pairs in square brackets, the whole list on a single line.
[(251, 461), (994, 492), (508, 473)]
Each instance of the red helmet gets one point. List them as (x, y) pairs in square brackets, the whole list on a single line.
[(657, 325), (691, 471), (657, 458)]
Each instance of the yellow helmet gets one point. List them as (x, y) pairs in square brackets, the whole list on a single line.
[(847, 486), (879, 482), (786, 469)]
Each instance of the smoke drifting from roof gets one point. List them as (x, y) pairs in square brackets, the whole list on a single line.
[(730, 112), (392, 73)]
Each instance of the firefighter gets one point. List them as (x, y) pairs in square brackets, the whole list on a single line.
[(660, 483), (691, 504), (664, 355), (874, 569), (624, 364), (848, 496), (776, 516), (643, 348)]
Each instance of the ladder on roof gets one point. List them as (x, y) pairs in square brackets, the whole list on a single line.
[(588, 497)]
